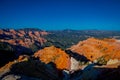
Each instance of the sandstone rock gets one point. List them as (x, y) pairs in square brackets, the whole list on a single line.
[(112, 61), (74, 64), (24, 38), (55, 55), (94, 48), (94, 72), (11, 77), (28, 70)]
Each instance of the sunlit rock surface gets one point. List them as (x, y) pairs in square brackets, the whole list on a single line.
[(55, 55), (93, 48)]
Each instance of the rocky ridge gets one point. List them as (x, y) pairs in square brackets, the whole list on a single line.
[(53, 63), (23, 37), (55, 55), (93, 48)]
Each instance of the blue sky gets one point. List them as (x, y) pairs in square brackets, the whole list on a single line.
[(60, 14)]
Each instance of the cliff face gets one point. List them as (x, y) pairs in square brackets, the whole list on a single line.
[(94, 48), (16, 42), (55, 55), (26, 38)]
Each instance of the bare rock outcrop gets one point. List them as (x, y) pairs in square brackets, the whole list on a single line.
[(93, 48), (55, 55)]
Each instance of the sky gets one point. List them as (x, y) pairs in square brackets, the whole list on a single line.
[(60, 14)]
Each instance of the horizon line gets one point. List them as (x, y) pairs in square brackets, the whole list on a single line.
[(61, 29)]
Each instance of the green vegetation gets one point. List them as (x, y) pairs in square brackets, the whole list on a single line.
[(34, 47), (102, 60), (66, 38), (5, 46)]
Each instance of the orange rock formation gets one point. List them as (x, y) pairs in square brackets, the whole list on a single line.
[(55, 55), (23, 38), (94, 48)]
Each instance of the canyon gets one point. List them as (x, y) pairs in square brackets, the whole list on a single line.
[(34, 54)]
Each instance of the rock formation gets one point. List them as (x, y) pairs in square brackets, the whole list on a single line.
[(25, 68), (93, 48), (55, 55), (23, 37), (94, 72)]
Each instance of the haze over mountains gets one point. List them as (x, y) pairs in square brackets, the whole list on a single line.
[(59, 55)]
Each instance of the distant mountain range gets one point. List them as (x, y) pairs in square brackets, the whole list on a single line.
[(60, 38)]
